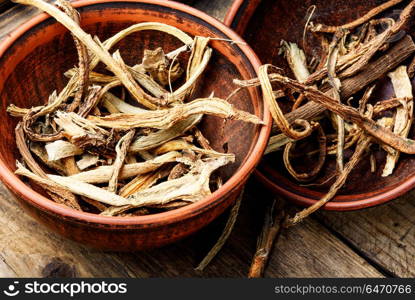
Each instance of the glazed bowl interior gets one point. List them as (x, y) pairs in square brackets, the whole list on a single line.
[(33, 62), (273, 21)]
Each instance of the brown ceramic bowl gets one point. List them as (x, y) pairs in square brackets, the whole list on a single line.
[(263, 24), (32, 60)]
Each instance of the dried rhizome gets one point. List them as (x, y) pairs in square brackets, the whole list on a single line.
[(124, 142), (328, 108)]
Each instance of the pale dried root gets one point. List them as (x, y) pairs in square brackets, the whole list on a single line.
[(166, 118), (276, 112)]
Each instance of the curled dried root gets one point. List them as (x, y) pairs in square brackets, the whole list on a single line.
[(276, 112), (304, 177), (341, 179), (27, 122)]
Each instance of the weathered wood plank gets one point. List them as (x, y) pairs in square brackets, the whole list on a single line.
[(300, 253), (308, 250), (27, 248), (385, 234)]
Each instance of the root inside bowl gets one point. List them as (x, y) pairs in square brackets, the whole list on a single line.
[(32, 64)]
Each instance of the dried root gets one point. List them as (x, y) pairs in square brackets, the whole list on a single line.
[(341, 179), (321, 159), (357, 56), (403, 118), (369, 15), (125, 143), (166, 118)]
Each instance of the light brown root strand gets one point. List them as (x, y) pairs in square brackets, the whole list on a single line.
[(372, 163), (296, 60), (70, 166), (365, 98), (276, 142), (309, 15), (276, 112), (369, 15), (60, 149), (25, 152), (139, 183), (384, 105), (166, 118), (87, 161), (181, 144), (341, 179), (272, 227), (304, 177), (103, 174), (98, 205), (381, 40), (95, 47), (83, 56), (121, 150), (199, 51), (298, 102), (201, 139), (336, 85), (403, 117), (233, 215), (27, 122), (192, 187), (162, 136), (350, 114), (16, 111), (55, 191)]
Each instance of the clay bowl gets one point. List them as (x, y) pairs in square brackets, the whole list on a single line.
[(263, 24), (32, 60)]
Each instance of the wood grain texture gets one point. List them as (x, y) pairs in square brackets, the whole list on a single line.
[(29, 249), (300, 253), (384, 234)]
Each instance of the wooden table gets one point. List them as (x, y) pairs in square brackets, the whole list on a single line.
[(373, 242)]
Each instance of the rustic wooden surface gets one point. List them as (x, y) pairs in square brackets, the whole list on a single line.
[(369, 243)]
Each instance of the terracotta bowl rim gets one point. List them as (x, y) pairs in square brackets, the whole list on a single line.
[(372, 199), (232, 11), (154, 220)]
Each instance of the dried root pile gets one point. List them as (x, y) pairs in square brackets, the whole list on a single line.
[(89, 148), (332, 96)]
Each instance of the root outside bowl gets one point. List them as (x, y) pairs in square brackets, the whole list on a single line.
[(32, 60), (263, 24)]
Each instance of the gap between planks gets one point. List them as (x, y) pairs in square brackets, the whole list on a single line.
[(383, 234), (380, 268)]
